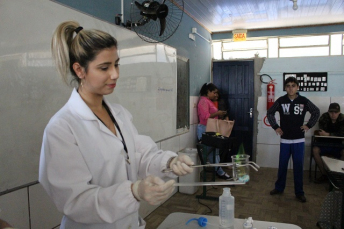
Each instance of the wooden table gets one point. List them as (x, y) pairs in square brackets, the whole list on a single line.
[(323, 141), (178, 220)]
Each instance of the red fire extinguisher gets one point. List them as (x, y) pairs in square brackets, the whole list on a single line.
[(270, 94)]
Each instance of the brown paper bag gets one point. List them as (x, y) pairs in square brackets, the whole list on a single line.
[(223, 127)]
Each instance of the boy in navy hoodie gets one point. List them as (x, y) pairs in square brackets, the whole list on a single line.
[(292, 108)]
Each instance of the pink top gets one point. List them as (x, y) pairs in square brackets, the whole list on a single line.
[(204, 109)]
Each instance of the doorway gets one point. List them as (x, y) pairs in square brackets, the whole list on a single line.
[(235, 80)]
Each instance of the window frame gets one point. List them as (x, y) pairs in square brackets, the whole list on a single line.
[(279, 47)]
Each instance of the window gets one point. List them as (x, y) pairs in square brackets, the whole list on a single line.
[(244, 45), (304, 46), (274, 47), (244, 54), (217, 52), (304, 41), (244, 49), (309, 51), (337, 44)]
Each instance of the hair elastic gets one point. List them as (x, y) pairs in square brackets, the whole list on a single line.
[(77, 30)]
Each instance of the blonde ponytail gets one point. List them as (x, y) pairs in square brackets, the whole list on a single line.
[(71, 43)]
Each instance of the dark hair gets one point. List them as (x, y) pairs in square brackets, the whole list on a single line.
[(207, 87), (71, 43), (291, 80)]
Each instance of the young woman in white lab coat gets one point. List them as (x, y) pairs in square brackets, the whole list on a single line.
[(94, 164)]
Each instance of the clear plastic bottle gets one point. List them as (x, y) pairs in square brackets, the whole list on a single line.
[(226, 209)]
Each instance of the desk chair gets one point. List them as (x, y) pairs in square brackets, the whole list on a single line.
[(310, 165), (203, 152), (313, 143)]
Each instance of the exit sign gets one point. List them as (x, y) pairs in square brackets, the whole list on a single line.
[(239, 34), (239, 37)]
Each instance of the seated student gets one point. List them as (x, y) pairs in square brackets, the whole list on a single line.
[(331, 123)]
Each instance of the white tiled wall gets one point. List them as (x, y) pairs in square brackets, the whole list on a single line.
[(171, 144), (267, 155), (15, 209), (176, 144), (193, 109), (43, 212), (321, 102), (340, 101)]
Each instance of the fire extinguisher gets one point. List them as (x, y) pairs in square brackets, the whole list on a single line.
[(270, 94)]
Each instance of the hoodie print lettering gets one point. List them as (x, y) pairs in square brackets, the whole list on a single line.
[(285, 107), (298, 108)]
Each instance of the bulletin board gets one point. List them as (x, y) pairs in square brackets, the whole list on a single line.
[(183, 92), (309, 81)]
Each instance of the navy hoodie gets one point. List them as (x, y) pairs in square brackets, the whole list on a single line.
[(292, 115)]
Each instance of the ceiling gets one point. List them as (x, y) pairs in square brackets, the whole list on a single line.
[(227, 15)]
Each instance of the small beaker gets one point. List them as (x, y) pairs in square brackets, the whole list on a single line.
[(241, 168)]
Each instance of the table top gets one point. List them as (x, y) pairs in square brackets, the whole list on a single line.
[(178, 220), (319, 136), (334, 165)]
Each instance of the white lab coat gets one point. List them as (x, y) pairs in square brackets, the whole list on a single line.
[(83, 167)]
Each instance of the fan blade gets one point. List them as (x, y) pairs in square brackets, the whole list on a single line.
[(146, 10), (162, 11), (162, 25)]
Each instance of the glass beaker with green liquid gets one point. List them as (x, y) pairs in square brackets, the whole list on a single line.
[(241, 168)]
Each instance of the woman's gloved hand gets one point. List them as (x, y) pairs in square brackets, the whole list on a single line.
[(152, 189), (180, 165)]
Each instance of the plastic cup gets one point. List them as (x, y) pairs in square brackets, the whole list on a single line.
[(241, 169)]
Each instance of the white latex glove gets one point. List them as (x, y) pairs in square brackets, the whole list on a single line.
[(153, 190), (181, 165)]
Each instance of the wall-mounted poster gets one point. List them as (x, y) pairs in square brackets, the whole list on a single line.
[(309, 81)]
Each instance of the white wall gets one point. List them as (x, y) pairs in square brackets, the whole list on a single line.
[(33, 204), (267, 140)]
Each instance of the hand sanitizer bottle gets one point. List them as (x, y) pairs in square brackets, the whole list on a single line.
[(226, 209)]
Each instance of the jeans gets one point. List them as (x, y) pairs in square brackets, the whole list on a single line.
[(200, 130)]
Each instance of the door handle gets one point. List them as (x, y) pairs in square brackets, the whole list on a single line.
[(250, 112)]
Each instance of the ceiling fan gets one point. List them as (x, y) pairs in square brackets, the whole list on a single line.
[(156, 21)]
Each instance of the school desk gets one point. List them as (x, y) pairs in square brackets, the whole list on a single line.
[(324, 141)]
